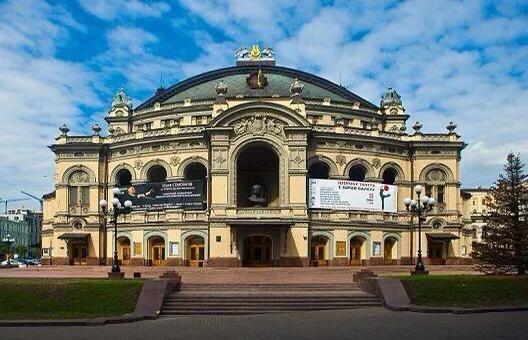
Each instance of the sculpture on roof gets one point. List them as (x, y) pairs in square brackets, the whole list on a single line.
[(121, 100), (390, 98), (255, 53)]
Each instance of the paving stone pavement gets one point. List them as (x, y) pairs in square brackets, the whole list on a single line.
[(365, 323), (231, 275)]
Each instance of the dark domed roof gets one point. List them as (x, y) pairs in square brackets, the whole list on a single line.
[(279, 80)]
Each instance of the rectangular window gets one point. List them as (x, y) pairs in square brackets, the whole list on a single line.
[(166, 123), (139, 127), (85, 196), (148, 126), (366, 125), (73, 197), (440, 194)]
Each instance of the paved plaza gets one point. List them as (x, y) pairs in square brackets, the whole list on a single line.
[(230, 275), (366, 323)]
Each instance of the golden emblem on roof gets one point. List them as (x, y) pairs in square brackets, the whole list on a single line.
[(255, 52)]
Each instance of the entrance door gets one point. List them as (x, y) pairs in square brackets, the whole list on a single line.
[(436, 250), (318, 252), (356, 243), (79, 252), (195, 251), (157, 251), (257, 251)]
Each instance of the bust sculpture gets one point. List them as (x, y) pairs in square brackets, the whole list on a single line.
[(257, 195)]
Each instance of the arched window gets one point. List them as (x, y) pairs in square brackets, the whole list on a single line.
[(389, 176), (357, 173), (79, 192), (319, 170), (435, 186), (157, 173), (123, 178)]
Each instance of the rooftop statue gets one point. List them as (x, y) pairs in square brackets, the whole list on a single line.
[(255, 53), (121, 100)]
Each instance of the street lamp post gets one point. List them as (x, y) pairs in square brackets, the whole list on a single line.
[(8, 240), (419, 207), (118, 209)]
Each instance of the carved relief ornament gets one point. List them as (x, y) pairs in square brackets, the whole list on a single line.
[(258, 125)]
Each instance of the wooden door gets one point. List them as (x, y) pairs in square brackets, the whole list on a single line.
[(318, 255), (79, 254), (355, 252), (158, 255), (197, 255), (257, 251), (436, 256), (125, 255)]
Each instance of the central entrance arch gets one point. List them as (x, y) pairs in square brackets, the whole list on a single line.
[(258, 165), (156, 251), (257, 251)]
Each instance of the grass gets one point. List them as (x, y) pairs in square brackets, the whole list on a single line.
[(467, 290), (66, 298)]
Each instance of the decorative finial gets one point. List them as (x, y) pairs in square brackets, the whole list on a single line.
[(296, 88), (96, 129), (417, 127), (390, 98), (221, 91), (403, 128), (64, 129), (121, 100), (451, 127)]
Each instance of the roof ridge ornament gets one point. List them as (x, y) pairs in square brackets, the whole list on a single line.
[(121, 100), (390, 98), (265, 56)]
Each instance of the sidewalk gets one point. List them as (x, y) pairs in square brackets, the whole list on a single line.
[(229, 275)]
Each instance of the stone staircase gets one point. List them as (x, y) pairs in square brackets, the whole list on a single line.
[(233, 299)]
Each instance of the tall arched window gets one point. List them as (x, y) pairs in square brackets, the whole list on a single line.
[(357, 173), (157, 173), (389, 176), (123, 178), (435, 186), (79, 192), (319, 170)]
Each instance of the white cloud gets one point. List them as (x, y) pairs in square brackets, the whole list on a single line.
[(447, 59), (110, 10), (38, 92)]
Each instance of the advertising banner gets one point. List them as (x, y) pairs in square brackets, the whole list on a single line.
[(351, 195), (182, 194)]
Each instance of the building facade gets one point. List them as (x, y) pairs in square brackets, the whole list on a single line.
[(18, 232), (255, 125), (475, 210)]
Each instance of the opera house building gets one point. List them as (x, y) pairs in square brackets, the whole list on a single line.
[(255, 165)]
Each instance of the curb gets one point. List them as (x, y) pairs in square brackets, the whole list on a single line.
[(395, 298), (148, 307)]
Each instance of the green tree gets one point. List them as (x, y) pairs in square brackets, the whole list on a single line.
[(504, 246), (20, 250)]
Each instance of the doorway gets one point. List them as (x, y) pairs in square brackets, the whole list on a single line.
[(357, 245), (435, 252), (318, 252), (156, 251), (195, 251), (257, 251), (123, 250), (79, 253)]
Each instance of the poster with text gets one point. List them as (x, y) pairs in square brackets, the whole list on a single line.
[(184, 194), (351, 195)]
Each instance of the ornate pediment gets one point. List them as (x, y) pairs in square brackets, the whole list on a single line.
[(259, 124)]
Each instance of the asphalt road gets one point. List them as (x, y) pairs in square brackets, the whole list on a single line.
[(367, 323)]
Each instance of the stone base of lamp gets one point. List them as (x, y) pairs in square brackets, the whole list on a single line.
[(116, 276), (415, 272)]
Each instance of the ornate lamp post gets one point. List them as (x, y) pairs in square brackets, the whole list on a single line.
[(8, 240), (118, 209), (419, 207)]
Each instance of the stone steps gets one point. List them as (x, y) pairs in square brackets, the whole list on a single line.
[(236, 299)]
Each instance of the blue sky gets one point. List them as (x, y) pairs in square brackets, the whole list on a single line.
[(61, 62)]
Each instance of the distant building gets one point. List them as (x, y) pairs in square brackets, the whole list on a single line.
[(474, 211), (30, 224), (17, 231)]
